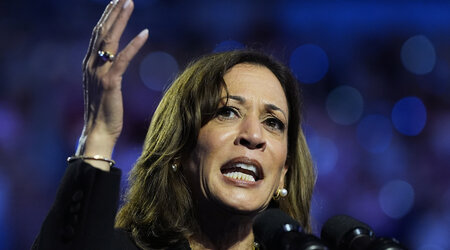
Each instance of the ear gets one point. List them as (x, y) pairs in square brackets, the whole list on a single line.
[(283, 176)]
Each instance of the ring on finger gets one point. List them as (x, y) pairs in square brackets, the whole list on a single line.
[(106, 56)]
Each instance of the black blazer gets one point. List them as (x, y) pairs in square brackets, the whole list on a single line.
[(83, 214)]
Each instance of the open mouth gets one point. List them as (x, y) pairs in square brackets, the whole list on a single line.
[(243, 169)]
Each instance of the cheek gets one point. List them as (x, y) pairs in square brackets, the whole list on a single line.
[(279, 153), (212, 141), (208, 150), (280, 157)]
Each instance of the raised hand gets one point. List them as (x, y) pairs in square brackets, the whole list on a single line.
[(103, 68)]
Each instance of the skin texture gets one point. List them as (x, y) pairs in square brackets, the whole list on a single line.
[(102, 82), (252, 127)]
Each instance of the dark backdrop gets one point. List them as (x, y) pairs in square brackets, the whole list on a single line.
[(375, 78)]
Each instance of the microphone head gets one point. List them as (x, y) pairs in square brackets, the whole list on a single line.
[(276, 230), (341, 230), (270, 223)]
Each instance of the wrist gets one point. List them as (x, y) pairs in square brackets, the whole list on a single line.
[(96, 161), (94, 143)]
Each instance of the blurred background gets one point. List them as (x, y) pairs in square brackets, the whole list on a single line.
[(375, 77)]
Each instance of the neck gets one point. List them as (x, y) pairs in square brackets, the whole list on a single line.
[(222, 229)]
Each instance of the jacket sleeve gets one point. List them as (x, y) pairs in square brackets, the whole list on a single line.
[(82, 216)]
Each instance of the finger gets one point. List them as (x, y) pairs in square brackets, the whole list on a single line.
[(120, 14), (111, 40), (111, 18), (96, 29), (127, 54), (107, 12)]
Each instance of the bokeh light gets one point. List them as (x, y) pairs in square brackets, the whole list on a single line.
[(418, 55), (345, 105), (324, 153), (368, 46), (374, 133), (309, 63), (396, 198), (157, 70), (409, 116), (228, 45)]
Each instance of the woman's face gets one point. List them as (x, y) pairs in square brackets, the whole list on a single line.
[(240, 157)]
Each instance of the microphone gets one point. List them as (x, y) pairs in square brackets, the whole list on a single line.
[(344, 232), (275, 230)]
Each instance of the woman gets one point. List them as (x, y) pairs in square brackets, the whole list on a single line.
[(224, 144)]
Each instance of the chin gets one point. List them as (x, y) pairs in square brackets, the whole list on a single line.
[(239, 208)]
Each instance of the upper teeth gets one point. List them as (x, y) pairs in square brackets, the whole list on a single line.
[(240, 176), (248, 167)]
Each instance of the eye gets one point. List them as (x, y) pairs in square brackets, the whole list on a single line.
[(227, 113), (275, 124)]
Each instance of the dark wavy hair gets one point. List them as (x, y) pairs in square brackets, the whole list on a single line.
[(158, 209)]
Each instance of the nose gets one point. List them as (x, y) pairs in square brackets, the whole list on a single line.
[(251, 134)]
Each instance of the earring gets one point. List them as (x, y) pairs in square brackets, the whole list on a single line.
[(281, 192), (174, 167)]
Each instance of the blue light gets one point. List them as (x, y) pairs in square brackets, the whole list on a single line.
[(157, 70), (409, 116), (374, 133), (228, 45), (309, 63), (418, 55), (324, 153), (396, 198), (345, 105)]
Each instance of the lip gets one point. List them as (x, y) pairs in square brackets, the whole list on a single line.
[(247, 161), (241, 183)]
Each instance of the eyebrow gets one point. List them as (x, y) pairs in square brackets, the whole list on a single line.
[(269, 106), (240, 99)]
